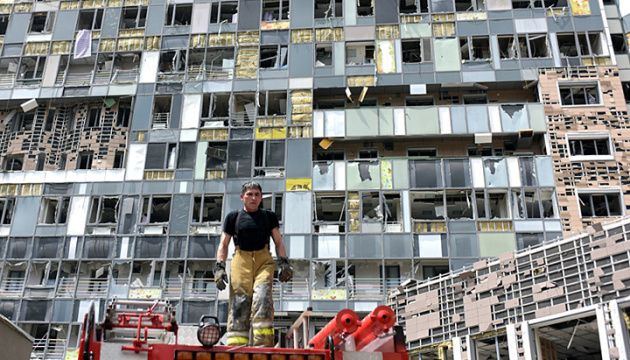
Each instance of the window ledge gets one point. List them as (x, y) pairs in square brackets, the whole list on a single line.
[(592, 158)]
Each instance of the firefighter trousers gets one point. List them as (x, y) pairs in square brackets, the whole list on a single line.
[(251, 281)]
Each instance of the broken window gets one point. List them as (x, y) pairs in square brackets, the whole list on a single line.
[(156, 209), (178, 14), (359, 53), (273, 57), (243, 109), (269, 158), (330, 208), (480, 150), (172, 61), (148, 247), (163, 156), (414, 6), (474, 48), (272, 103), (600, 204), (47, 248), (533, 46), (618, 43), (580, 44), (224, 12), (328, 9), (126, 67), (508, 47), (371, 207), (219, 63), (497, 205), (161, 112), (459, 204), (124, 113), (54, 210), (468, 5), (4, 23), (365, 8), (416, 51), (31, 68), (323, 54), (84, 160), (216, 109), (104, 210), (42, 22), (457, 173), (273, 10), (525, 4), (133, 17), (207, 208), (6, 210), (471, 99), (329, 154), (13, 162), (216, 155), (589, 145), (90, 19), (273, 202), (537, 206), (427, 205), (579, 94)]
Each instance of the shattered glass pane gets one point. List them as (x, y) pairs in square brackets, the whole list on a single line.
[(496, 172), (457, 173)]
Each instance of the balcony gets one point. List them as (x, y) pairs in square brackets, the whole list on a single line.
[(125, 76), (199, 288), (7, 80), (66, 287), (500, 119), (12, 287), (92, 287), (161, 121), (173, 288), (49, 349), (78, 79)]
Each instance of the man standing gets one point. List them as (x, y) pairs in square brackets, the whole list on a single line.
[(251, 275)]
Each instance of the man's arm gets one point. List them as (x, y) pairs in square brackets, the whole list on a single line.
[(277, 240), (222, 252)]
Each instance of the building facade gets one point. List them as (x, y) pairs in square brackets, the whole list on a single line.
[(394, 139)]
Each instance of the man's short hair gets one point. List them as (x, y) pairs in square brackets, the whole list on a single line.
[(250, 185)]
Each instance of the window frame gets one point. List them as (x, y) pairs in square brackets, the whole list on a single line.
[(60, 212), (99, 202), (590, 136), (332, 7), (151, 198), (367, 61), (88, 156), (97, 23), (140, 9), (583, 85), (10, 161), (600, 191), (470, 44), (198, 212), (280, 62), (7, 210), (324, 46), (172, 7), (218, 6), (49, 23), (282, 15)]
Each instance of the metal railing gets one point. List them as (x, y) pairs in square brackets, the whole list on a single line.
[(12, 286), (199, 287), (7, 80), (78, 79), (92, 287), (365, 288), (125, 76), (66, 287), (161, 121), (173, 288), (102, 77)]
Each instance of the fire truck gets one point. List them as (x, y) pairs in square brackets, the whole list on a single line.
[(147, 330)]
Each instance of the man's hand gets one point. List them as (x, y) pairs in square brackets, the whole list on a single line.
[(220, 276), (286, 272)]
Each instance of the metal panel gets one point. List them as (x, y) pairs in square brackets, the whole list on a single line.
[(339, 57), (249, 15), (446, 53), (401, 175), (180, 213), (65, 24), (362, 122), (422, 121), (298, 212), (18, 25), (350, 12), (142, 112), (415, 30), (50, 71), (302, 13), (530, 25), (149, 66), (192, 111), (26, 210), (77, 218), (299, 155), (386, 121), (360, 33), (386, 11), (200, 18), (176, 111), (477, 118), (301, 60)]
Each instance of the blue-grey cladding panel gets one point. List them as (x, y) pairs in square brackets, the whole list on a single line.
[(469, 28), (155, 20), (386, 11), (176, 111), (249, 15), (26, 209), (299, 155), (142, 113), (65, 24), (300, 60), (16, 32), (111, 22), (501, 26), (584, 23), (180, 214), (302, 13)]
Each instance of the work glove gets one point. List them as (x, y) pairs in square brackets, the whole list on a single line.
[(220, 276), (286, 272)]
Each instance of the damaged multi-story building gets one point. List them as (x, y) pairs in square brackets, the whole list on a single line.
[(395, 139)]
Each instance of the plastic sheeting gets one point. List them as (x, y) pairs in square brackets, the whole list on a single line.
[(98, 247), (47, 248), (180, 214), (457, 172), (430, 246)]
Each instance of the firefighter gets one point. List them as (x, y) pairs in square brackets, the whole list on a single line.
[(251, 271)]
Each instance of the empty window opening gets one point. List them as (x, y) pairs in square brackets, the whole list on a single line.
[(590, 147), (367, 153), (618, 43), (273, 202), (328, 8), (219, 63), (273, 56), (587, 94), (371, 207), (54, 210), (161, 112), (269, 158), (393, 208), (480, 150), (273, 10), (216, 109), (6, 210), (508, 47), (172, 61), (420, 100), (475, 99), (422, 151), (411, 52), (32, 68), (498, 205), (94, 117), (330, 208), (224, 12), (216, 155), (207, 208), (42, 22), (600, 205), (429, 271), (365, 8), (359, 53), (133, 17), (427, 205), (90, 19), (323, 55), (243, 109), (178, 14), (4, 22), (124, 113), (272, 103), (464, 5), (163, 156), (329, 154), (459, 204), (13, 162), (586, 44), (104, 210), (533, 46), (84, 160), (156, 209), (475, 48), (414, 6), (119, 160)]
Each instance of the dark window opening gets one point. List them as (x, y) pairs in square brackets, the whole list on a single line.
[(585, 147), (328, 9), (207, 208), (411, 51), (600, 205), (90, 19), (475, 48), (104, 210), (13, 162), (54, 210), (50, 119), (275, 10), (618, 43), (359, 53), (414, 6), (273, 57), (323, 55), (42, 22), (367, 153), (328, 104), (272, 104), (330, 208), (84, 160), (25, 122), (365, 8), (224, 12), (427, 100), (329, 154), (427, 152), (133, 17), (156, 209), (94, 117), (124, 114), (179, 14), (216, 156), (579, 95), (119, 158), (4, 23)]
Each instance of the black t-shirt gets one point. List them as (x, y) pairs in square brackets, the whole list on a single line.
[(254, 229)]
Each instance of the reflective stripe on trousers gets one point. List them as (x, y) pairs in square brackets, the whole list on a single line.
[(251, 281)]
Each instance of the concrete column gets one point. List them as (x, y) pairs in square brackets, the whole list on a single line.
[(604, 344)]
